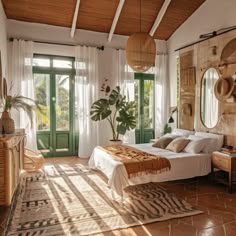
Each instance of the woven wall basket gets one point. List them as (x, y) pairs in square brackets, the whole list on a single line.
[(7, 123)]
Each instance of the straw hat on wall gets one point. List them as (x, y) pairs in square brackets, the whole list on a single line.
[(223, 88)]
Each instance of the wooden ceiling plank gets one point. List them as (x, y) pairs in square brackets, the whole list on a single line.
[(177, 13), (98, 16), (73, 27), (159, 17), (115, 20)]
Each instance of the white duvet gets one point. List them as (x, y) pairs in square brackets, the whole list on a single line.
[(183, 165)]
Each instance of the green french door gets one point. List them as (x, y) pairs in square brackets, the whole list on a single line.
[(54, 90), (144, 97)]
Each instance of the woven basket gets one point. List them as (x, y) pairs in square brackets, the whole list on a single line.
[(140, 51), (7, 124), (33, 161)]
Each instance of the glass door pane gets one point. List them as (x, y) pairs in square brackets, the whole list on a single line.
[(62, 105), (148, 104), (42, 96), (62, 63)]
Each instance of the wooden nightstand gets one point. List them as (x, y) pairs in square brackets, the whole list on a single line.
[(226, 163)]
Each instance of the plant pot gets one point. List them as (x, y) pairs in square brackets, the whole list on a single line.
[(115, 142), (7, 124)]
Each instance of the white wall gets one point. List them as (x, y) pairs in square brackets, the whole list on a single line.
[(55, 34), (211, 16), (3, 40)]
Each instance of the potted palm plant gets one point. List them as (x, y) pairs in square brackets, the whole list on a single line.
[(15, 102), (119, 113)]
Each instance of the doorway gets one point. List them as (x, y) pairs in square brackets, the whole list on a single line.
[(54, 91)]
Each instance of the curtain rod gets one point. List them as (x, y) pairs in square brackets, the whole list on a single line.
[(61, 44), (213, 34)]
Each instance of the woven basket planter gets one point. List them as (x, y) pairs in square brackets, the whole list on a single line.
[(7, 124)]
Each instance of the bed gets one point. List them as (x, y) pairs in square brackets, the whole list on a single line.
[(183, 165)]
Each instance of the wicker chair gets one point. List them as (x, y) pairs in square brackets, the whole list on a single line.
[(33, 161)]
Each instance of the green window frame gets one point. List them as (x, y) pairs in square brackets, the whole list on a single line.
[(142, 134)]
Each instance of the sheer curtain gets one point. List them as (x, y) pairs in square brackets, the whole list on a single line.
[(21, 81), (162, 94), (86, 92), (126, 83)]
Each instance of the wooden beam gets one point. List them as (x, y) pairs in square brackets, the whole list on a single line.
[(115, 20), (73, 27), (159, 17)]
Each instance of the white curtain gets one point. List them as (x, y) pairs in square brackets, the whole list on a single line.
[(21, 80), (162, 94), (126, 83), (86, 92)]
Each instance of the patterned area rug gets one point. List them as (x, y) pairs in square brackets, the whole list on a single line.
[(72, 200)]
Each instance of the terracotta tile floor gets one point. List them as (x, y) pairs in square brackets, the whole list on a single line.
[(218, 219)]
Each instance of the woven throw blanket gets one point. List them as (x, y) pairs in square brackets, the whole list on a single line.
[(137, 161)]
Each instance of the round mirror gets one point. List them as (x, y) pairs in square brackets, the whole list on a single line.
[(209, 102)]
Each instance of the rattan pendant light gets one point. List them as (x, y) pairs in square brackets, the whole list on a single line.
[(140, 50)]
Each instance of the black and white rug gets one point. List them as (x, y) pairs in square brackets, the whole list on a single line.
[(72, 200)]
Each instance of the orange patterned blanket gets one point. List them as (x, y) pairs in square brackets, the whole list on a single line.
[(137, 161)]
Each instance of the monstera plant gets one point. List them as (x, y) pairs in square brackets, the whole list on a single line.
[(117, 111)]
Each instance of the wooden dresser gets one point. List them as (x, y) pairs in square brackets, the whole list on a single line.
[(11, 164)]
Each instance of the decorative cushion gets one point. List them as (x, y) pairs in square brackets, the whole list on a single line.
[(162, 142), (178, 144), (215, 143), (182, 132), (196, 144)]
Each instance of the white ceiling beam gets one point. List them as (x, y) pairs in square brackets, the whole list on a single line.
[(115, 20), (73, 27), (159, 17)]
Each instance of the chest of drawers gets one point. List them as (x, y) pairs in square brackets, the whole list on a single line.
[(11, 163)]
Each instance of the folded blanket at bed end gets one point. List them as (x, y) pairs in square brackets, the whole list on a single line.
[(136, 161)]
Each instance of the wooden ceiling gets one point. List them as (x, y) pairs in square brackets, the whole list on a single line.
[(97, 15)]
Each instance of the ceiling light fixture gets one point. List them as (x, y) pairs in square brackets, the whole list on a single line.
[(140, 50)]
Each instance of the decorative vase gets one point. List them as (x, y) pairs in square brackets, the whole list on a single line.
[(115, 142), (7, 123)]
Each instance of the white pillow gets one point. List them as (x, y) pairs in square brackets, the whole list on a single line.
[(215, 143), (182, 132), (195, 137), (173, 136), (197, 144)]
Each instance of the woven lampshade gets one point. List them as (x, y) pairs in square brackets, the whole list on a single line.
[(140, 51)]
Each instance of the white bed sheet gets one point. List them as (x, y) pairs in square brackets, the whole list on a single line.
[(183, 166)]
